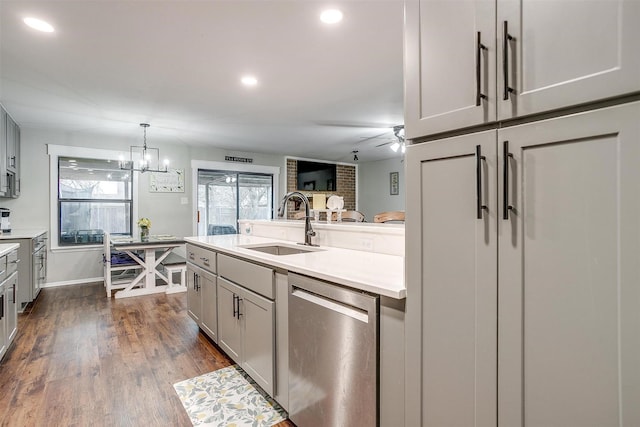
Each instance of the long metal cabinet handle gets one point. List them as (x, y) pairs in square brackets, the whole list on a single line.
[(14, 293), (506, 155), (479, 205), (505, 59), (479, 48), (235, 310), (239, 314), (1, 306)]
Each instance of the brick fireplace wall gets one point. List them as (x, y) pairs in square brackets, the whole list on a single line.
[(345, 185)]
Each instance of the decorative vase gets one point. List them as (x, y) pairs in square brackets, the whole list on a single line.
[(144, 233)]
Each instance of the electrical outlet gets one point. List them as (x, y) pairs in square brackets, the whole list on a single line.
[(366, 244), (184, 200)]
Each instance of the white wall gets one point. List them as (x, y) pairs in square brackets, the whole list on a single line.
[(166, 211), (373, 187)]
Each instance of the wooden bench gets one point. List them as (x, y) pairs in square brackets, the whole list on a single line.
[(174, 263)]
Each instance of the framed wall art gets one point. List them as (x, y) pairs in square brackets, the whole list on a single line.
[(167, 182), (394, 183)]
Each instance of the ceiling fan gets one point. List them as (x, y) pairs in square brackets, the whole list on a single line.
[(398, 141)]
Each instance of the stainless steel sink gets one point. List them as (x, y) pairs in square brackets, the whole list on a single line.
[(281, 249)]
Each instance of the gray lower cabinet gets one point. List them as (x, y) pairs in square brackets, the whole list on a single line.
[(4, 342), (194, 300), (246, 328), (8, 301), (246, 320), (229, 326), (202, 292), (207, 283), (32, 267)]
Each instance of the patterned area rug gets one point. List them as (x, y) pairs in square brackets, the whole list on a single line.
[(228, 397)]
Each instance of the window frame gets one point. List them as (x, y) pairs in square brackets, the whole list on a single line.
[(231, 168), (56, 151)]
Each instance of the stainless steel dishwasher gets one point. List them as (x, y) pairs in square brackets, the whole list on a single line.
[(333, 355)]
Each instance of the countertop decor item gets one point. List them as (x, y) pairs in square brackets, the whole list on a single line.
[(143, 158), (335, 202), (145, 225)]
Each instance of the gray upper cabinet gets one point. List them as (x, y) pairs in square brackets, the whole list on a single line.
[(469, 63), (9, 156), (555, 54), (13, 141), (450, 60)]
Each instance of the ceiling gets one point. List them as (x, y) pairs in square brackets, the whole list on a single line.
[(322, 91)]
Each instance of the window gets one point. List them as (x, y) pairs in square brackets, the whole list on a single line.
[(94, 196)]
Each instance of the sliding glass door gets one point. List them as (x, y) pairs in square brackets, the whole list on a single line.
[(224, 197)]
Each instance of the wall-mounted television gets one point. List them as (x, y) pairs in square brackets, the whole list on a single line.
[(316, 176)]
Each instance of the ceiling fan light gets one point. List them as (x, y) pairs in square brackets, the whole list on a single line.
[(395, 146)]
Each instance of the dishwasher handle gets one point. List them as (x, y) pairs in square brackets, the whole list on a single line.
[(342, 308)]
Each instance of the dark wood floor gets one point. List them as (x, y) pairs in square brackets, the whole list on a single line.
[(81, 359)]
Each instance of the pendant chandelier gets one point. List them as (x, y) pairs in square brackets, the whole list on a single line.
[(143, 158)]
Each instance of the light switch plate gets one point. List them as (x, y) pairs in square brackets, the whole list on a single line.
[(184, 200)]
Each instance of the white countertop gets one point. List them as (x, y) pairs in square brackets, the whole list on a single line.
[(5, 248), (22, 233), (372, 272)]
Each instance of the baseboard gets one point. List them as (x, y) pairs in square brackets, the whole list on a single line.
[(73, 282)]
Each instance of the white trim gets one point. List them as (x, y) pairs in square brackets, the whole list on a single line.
[(55, 151), (230, 167), (319, 161), (83, 248), (88, 281)]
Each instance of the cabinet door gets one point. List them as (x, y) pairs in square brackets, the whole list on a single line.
[(259, 337), (208, 289), (194, 301), (16, 188), (12, 128), (11, 312), (452, 282), (229, 325), (569, 329), (3, 153), (445, 69), (565, 53), (3, 321)]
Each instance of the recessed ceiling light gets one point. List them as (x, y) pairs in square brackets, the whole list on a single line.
[(249, 81), (39, 25), (331, 16)]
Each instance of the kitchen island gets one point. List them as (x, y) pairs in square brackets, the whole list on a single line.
[(240, 291)]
